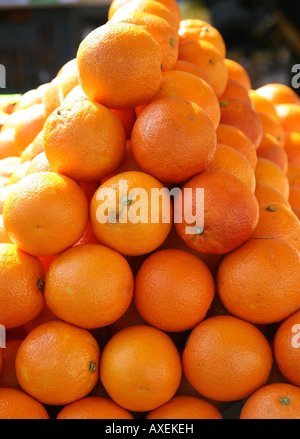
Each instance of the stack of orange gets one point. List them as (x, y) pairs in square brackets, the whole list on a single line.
[(165, 319)]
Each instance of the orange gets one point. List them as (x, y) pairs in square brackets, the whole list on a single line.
[(235, 90), (232, 136), (51, 99), (237, 113), (137, 61), (68, 79), (93, 407), (185, 407), (230, 213), (45, 213), (4, 192), (271, 149), (271, 125), (58, 363), (286, 348), (292, 147), (8, 146), (127, 164), (270, 173), (277, 220), (278, 94), (230, 160), (8, 377), (188, 67), (22, 283), (173, 290), (294, 198), (173, 139), (190, 87), (234, 355), (15, 404), (84, 140), (276, 264), (293, 174), (4, 238), (34, 148), (19, 173), (39, 163), (162, 32), (8, 166), (261, 104), (127, 117), (79, 287), (29, 126), (88, 237), (29, 98), (195, 29), (274, 401), (289, 117), (128, 216), (140, 368), (266, 193), (238, 73), (208, 58)]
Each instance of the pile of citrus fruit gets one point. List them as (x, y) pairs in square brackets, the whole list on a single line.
[(131, 317)]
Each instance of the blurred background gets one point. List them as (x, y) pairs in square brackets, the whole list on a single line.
[(38, 36)]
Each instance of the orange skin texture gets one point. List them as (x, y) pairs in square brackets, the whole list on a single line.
[(278, 94), (137, 60), (209, 59), (271, 125), (8, 377), (186, 66), (51, 98), (162, 32), (173, 139), (19, 173), (58, 363), (76, 147), (39, 164), (274, 401), (195, 29), (230, 160), (292, 147), (140, 368), (289, 117), (29, 126), (276, 220), (270, 173), (21, 275), (286, 348), (88, 237), (230, 212), (268, 194), (185, 85), (261, 104), (99, 296), (16, 404), (235, 358), (45, 213), (34, 148), (232, 136), (235, 90), (238, 73), (94, 407), (185, 407), (127, 117), (8, 144), (4, 238), (294, 198), (173, 290), (235, 112), (293, 175), (271, 149), (128, 238), (259, 259)]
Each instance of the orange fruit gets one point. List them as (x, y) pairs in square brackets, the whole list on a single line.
[(266, 193), (15, 404), (4, 192), (237, 113), (274, 401), (173, 290), (270, 173), (45, 213), (51, 99), (235, 90), (90, 300), (173, 139), (8, 146), (195, 29), (29, 98), (238, 73), (292, 147), (4, 238), (8, 377), (271, 125), (137, 60), (33, 149), (188, 67), (185, 407), (289, 117), (84, 140), (127, 117), (29, 126), (140, 368), (93, 407), (276, 220), (127, 216), (271, 149), (230, 160), (278, 94), (230, 213), (58, 363), (22, 282), (19, 173), (232, 136), (162, 32), (286, 348), (261, 104), (234, 355), (294, 198), (68, 79), (293, 175), (39, 163), (259, 259), (208, 58)]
